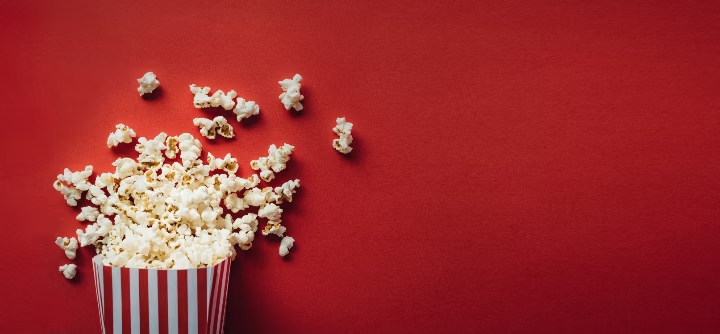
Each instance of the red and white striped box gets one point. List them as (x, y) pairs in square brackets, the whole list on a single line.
[(188, 301)]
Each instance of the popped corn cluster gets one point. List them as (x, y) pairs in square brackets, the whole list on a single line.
[(274, 162), (210, 127), (343, 129), (291, 97), (153, 213), (148, 83)]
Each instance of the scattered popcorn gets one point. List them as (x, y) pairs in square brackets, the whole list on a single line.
[(285, 244), (72, 184), (70, 246), (291, 97), (148, 83), (218, 99), (88, 213), (217, 125), (68, 270), (201, 100), (275, 161), (245, 109), (122, 134), (153, 214), (270, 211), (274, 227), (286, 191), (227, 164), (343, 130)]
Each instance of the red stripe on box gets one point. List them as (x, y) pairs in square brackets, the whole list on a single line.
[(213, 299), (162, 301), (125, 289), (144, 302), (182, 284), (202, 300), (98, 293), (107, 287)]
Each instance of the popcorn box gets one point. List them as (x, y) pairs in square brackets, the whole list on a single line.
[(132, 300)]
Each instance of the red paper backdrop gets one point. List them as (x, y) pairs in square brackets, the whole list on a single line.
[(518, 167)]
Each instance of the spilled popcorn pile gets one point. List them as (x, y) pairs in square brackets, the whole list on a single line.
[(167, 208)]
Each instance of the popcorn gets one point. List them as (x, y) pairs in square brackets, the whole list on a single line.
[(275, 161), (148, 83), (68, 270), (151, 155), (235, 203), (88, 213), (343, 129), (270, 211), (171, 147), (273, 227), (218, 99), (286, 191), (254, 197), (245, 109), (285, 244), (152, 214), (70, 246), (227, 164), (201, 100), (122, 134), (291, 97), (72, 184), (209, 128), (190, 147)]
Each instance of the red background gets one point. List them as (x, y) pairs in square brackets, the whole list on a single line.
[(530, 166)]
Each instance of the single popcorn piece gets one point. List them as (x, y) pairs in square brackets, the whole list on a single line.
[(235, 203), (122, 134), (148, 83), (274, 227), (218, 125), (275, 161), (219, 99), (270, 211), (70, 246), (171, 147), (151, 155), (88, 213), (245, 109), (291, 97), (190, 147), (286, 191), (201, 100), (68, 270), (285, 244), (343, 129), (254, 197)]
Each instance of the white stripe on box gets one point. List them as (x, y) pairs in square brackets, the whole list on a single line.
[(153, 301), (98, 295), (134, 301), (172, 301), (102, 294), (224, 297), (117, 300), (207, 296), (192, 296)]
